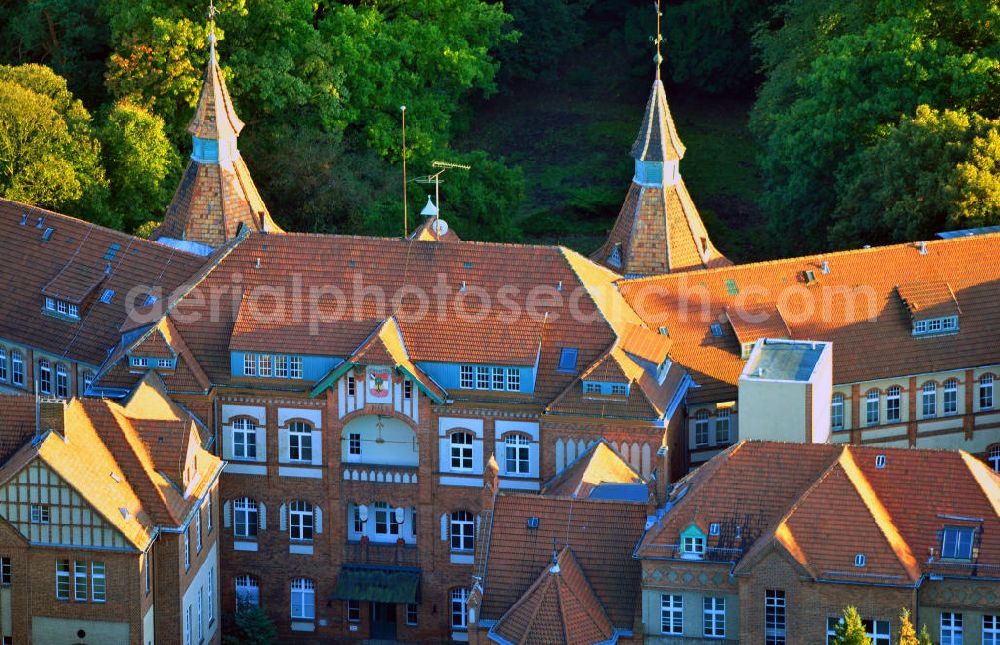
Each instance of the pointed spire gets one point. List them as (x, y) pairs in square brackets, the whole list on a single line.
[(214, 116), (658, 140)]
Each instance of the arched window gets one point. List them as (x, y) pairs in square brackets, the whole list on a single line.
[(62, 381), (300, 521), (303, 599), (892, 403), (461, 450), (701, 428), (928, 397), (872, 404), (244, 438), (837, 411), (722, 418), (463, 531), (517, 453), (3, 364), (986, 392), (17, 368), (950, 403), (300, 444), (459, 598), (993, 457), (245, 518), (247, 592), (44, 376)]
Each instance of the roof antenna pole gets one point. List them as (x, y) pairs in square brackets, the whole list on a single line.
[(659, 38), (406, 227)]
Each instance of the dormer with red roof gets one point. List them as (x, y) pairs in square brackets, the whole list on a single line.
[(216, 195)]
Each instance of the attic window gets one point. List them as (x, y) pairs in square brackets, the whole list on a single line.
[(810, 276), (716, 330), (713, 528), (615, 257), (47, 234), (859, 560), (880, 461), (693, 547), (935, 326), (112, 252), (61, 308), (567, 359), (956, 542), (107, 296), (533, 522), (731, 288)]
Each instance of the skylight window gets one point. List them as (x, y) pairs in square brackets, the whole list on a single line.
[(956, 542), (567, 359), (47, 234), (731, 288), (107, 296), (716, 330), (112, 252), (859, 560)]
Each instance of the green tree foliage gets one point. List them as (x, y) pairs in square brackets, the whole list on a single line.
[(142, 166), (850, 72), (931, 172), (908, 635), (709, 42), (48, 155), (850, 630), (548, 34), (252, 627)]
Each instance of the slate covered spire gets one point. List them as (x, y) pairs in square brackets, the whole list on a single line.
[(216, 195), (658, 229)]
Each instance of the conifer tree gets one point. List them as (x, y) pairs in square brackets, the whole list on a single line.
[(850, 630)]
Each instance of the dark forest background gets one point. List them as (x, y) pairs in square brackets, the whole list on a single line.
[(809, 124)]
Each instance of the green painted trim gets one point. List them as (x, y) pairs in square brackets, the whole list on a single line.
[(423, 388), (331, 378)]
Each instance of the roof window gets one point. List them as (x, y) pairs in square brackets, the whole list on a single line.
[(956, 542), (731, 287), (47, 234), (859, 560), (533, 522), (716, 330), (880, 461), (567, 359), (112, 252), (107, 296)]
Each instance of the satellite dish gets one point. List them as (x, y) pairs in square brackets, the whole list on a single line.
[(363, 513), (400, 515), (441, 227)]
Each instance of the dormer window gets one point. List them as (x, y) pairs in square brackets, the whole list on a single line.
[(619, 389), (61, 308), (138, 361), (692, 543), (591, 388), (935, 326), (615, 257), (932, 306), (956, 542)]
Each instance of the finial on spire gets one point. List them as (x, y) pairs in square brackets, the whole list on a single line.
[(658, 59), (212, 13)]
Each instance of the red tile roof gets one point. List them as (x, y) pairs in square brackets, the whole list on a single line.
[(854, 305), (599, 464), (825, 504), (929, 299), (601, 535)]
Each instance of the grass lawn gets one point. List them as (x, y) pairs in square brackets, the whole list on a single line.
[(572, 138)]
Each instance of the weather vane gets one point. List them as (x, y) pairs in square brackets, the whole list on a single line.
[(212, 11), (659, 39)]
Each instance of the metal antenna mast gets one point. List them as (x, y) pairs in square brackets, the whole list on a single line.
[(406, 227), (435, 179)]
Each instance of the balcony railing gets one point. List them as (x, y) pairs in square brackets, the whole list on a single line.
[(380, 474), (400, 555), (710, 554)]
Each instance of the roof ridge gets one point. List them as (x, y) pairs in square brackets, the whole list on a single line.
[(985, 478)]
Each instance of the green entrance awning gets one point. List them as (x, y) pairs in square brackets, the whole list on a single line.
[(393, 585)]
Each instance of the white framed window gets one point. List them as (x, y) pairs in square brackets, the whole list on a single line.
[(187, 549), (459, 598), (40, 514), (281, 366), (619, 389), (463, 531), (300, 442), (385, 521), (714, 617), (517, 454), (244, 439), (461, 450), (44, 377), (956, 542), (245, 518), (929, 400), (722, 426), (249, 365), (774, 617), (62, 580), (591, 388), (208, 513), (300, 521), (211, 596), (499, 378), (5, 574), (50, 303), (147, 564), (991, 629), (692, 547), (265, 366), (88, 380), (352, 385), (79, 580), (892, 404), (165, 363), (671, 613), (411, 614), (354, 611), (17, 368), (407, 389), (951, 628), (354, 444), (294, 367), (247, 592), (303, 599), (950, 402), (98, 582), (986, 392), (482, 378), (187, 625), (878, 631), (872, 405), (467, 377), (62, 381), (513, 379), (837, 411), (993, 457), (701, 428), (197, 530), (3, 364), (138, 361), (201, 610)]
